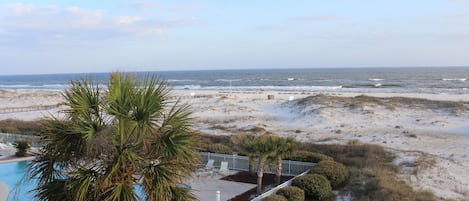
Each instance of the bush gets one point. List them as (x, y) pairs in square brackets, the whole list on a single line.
[(274, 198), (307, 156), (22, 148), (335, 172), (21, 127), (219, 148), (292, 193), (314, 185)]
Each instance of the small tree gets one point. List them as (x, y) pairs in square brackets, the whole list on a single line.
[(245, 144), (284, 148), (265, 147), (112, 142), (22, 148)]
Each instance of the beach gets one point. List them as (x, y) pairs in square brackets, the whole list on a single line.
[(428, 132)]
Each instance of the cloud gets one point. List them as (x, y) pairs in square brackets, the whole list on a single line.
[(38, 25), (142, 5), (459, 1), (20, 8), (123, 20)]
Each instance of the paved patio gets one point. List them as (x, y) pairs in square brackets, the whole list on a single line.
[(205, 187)]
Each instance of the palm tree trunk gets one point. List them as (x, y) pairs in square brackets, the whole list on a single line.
[(260, 174), (279, 171), (252, 168)]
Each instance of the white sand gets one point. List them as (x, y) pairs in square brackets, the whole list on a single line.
[(434, 134)]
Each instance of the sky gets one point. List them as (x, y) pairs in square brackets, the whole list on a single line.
[(42, 37)]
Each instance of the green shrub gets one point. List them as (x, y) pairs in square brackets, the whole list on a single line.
[(274, 198), (292, 193), (22, 148), (307, 156), (335, 172), (219, 148), (314, 185)]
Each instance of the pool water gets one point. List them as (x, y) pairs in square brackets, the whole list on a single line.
[(12, 173)]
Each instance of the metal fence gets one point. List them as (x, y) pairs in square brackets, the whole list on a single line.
[(8, 138), (241, 163)]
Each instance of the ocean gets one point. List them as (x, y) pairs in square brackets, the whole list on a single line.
[(442, 80)]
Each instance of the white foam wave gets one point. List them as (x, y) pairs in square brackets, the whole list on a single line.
[(376, 79), (454, 79)]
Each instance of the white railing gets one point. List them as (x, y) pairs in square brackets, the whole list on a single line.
[(274, 190), (10, 138), (241, 163)]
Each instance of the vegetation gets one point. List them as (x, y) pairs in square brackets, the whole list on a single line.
[(308, 156), (111, 141), (21, 127), (274, 198), (390, 103), (372, 175), (264, 147), (284, 148), (245, 144), (314, 185), (219, 148), (335, 172), (22, 148), (292, 193)]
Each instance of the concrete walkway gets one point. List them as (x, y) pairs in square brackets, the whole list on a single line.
[(205, 188), (3, 191)]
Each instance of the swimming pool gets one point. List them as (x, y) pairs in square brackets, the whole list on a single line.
[(11, 174)]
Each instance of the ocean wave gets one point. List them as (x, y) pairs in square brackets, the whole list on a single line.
[(264, 88), (454, 79), (228, 80), (173, 80), (376, 79)]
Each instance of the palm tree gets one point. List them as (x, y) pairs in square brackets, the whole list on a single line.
[(129, 142), (265, 147), (285, 148), (245, 144)]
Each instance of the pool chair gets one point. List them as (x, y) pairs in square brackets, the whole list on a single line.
[(224, 168), (209, 164)]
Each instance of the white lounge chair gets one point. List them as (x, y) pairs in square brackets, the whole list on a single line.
[(209, 164), (224, 168)]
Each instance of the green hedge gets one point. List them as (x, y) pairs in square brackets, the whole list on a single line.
[(292, 193), (274, 198), (314, 185), (335, 172)]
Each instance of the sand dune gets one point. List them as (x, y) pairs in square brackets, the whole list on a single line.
[(428, 132)]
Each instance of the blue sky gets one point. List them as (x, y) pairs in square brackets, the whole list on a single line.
[(99, 36)]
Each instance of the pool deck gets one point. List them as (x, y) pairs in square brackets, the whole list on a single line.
[(205, 188), (3, 191)]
